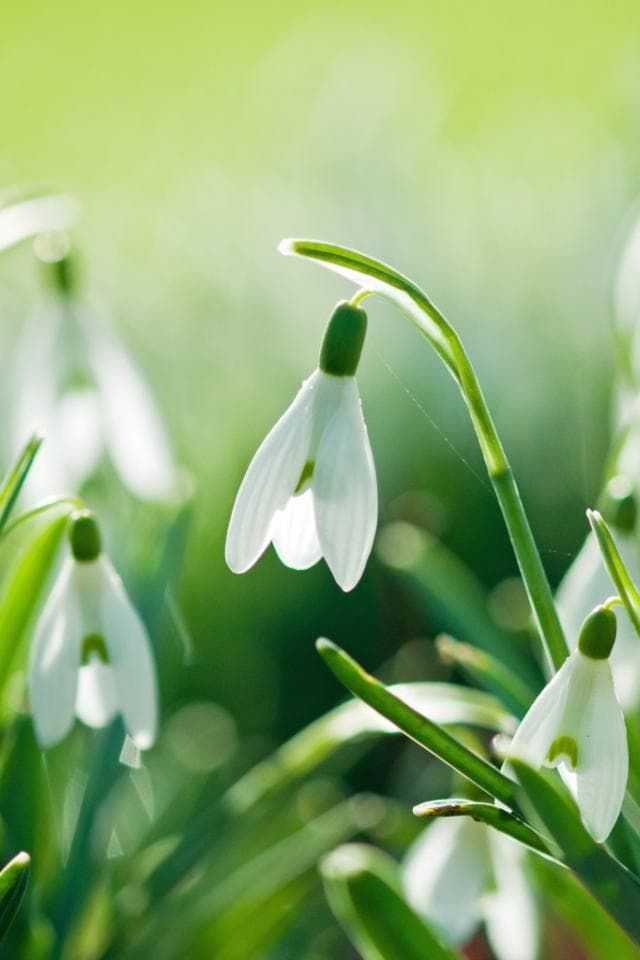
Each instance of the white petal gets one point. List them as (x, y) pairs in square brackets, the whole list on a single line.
[(445, 873), (540, 726), (36, 215), (587, 584), (78, 432), (510, 912), (345, 492), (294, 533), (603, 755), (54, 661), (270, 480), (96, 699), (130, 657), (134, 431)]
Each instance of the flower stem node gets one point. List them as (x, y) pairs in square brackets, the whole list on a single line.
[(598, 634), (343, 340), (84, 535)]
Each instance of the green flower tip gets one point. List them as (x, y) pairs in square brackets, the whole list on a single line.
[(347, 862), (564, 749), (287, 247), (84, 535), (21, 861), (619, 504), (598, 634), (324, 646), (343, 340), (94, 645)]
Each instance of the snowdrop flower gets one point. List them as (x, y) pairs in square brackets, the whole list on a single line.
[(582, 587), (90, 655), (577, 724), (460, 873), (75, 382), (311, 486)]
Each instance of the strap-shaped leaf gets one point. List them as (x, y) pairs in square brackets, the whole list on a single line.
[(13, 883), (445, 703), (424, 731), (625, 587), (29, 548), (617, 889), (451, 593), (363, 890), (489, 813), (13, 482)]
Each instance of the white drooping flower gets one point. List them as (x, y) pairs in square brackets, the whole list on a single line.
[(311, 486), (576, 723), (90, 654), (460, 873), (76, 383)]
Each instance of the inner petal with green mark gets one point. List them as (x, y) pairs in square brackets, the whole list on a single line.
[(305, 476), (564, 749), (93, 645)]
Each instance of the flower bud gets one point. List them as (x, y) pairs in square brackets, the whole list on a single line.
[(84, 535), (343, 340), (598, 634)]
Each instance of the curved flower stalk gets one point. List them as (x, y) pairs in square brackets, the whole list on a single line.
[(576, 723), (459, 874), (311, 487), (90, 655), (373, 276), (76, 382)]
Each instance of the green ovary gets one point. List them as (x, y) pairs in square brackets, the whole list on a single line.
[(305, 476), (564, 749), (93, 644)]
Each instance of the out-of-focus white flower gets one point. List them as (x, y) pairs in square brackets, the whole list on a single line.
[(460, 873), (311, 486), (586, 584), (576, 723), (76, 383), (90, 655)]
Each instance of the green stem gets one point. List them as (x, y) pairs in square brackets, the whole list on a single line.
[(427, 734), (379, 278)]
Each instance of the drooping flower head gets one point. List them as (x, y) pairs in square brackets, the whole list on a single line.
[(90, 655), (311, 486), (576, 723)]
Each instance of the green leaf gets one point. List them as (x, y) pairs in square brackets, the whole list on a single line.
[(625, 587), (425, 732), (363, 890), (564, 895), (487, 670), (494, 816), (29, 548), (445, 703), (13, 482), (13, 883), (616, 888)]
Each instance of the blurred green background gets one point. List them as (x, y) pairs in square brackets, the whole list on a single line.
[(488, 150)]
